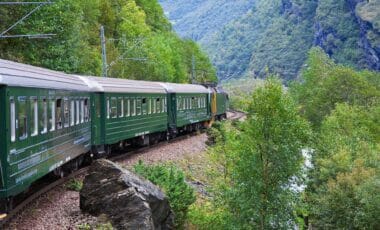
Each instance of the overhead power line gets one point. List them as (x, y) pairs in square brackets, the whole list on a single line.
[(40, 4)]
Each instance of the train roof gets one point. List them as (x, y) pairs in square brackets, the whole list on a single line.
[(22, 75), (184, 88), (117, 85)]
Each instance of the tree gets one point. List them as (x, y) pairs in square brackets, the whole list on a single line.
[(324, 84), (269, 156), (137, 30), (346, 170)]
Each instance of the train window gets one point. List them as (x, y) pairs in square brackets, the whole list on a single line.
[(58, 111), (138, 107), (133, 107), (127, 107), (113, 107), (153, 106), (121, 107), (82, 109), (108, 108), (22, 119), (13, 119), (144, 106), (34, 116), (43, 116), (86, 110), (52, 115), (72, 112), (163, 105), (66, 113), (199, 102), (77, 108), (150, 106), (158, 107)]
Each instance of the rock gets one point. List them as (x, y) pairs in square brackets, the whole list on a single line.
[(129, 201)]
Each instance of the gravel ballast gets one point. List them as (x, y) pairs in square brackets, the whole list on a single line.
[(59, 208)]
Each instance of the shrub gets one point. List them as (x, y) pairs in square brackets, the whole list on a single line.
[(74, 185), (172, 180)]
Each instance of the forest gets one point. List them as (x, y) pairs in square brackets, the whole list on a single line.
[(251, 36), (140, 41), (307, 155)]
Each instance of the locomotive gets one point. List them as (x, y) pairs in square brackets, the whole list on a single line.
[(50, 122)]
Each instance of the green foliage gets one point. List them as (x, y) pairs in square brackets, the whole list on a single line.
[(252, 36), (258, 160), (139, 29), (239, 91), (86, 226), (209, 217), (74, 185), (347, 169), (269, 156), (343, 105), (172, 181), (326, 84)]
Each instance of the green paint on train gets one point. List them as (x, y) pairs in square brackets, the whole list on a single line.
[(50, 120)]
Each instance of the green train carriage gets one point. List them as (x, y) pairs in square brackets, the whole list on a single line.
[(44, 123), (221, 103), (188, 106), (126, 112)]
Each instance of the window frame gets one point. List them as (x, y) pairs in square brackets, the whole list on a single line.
[(52, 114), (120, 110), (12, 111), (33, 116), (44, 115), (72, 112), (66, 113), (25, 118)]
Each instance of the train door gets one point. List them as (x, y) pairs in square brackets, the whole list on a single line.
[(4, 111), (172, 113), (97, 111)]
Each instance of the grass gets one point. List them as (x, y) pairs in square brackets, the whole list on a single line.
[(74, 185)]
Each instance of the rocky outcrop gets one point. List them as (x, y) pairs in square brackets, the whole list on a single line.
[(128, 201)]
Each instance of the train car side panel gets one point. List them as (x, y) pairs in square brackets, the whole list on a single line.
[(191, 108), (130, 115), (50, 128)]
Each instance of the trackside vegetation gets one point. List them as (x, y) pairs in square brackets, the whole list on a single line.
[(306, 157), (140, 44), (171, 180)]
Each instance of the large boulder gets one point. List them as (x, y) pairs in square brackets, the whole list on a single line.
[(128, 201)]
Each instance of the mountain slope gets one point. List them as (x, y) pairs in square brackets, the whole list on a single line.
[(276, 35), (199, 19)]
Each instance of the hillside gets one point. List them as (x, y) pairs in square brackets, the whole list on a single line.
[(200, 20), (140, 41), (276, 35)]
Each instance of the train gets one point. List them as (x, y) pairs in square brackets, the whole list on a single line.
[(51, 122)]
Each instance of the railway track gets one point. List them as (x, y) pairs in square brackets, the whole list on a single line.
[(236, 115), (119, 155)]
